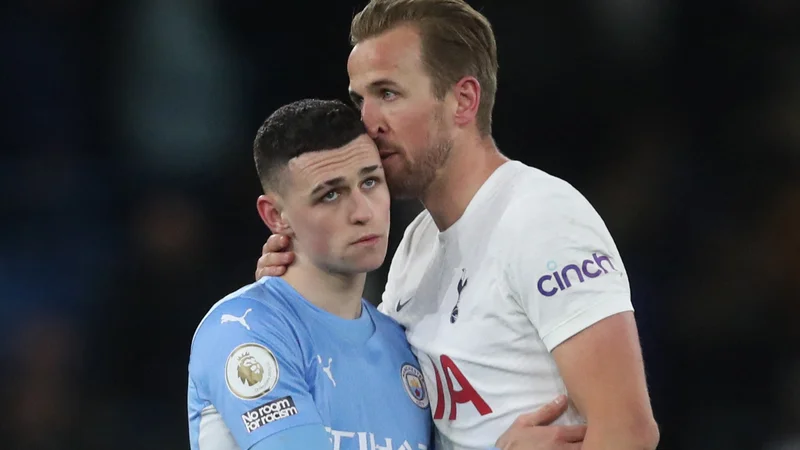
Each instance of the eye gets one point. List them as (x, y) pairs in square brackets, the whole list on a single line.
[(370, 183), (330, 197), (388, 95)]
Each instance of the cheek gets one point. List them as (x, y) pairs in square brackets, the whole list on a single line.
[(318, 245), (322, 240), (381, 207), (313, 233), (408, 116), (414, 130)]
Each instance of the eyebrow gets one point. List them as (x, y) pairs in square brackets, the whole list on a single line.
[(338, 181), (377, 84)]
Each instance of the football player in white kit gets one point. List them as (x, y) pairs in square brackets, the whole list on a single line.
[(509, 285)]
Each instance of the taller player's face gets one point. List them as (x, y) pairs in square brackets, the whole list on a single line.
[(337, 205), (389, 84)]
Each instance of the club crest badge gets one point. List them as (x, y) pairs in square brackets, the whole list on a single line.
[(414, 384)]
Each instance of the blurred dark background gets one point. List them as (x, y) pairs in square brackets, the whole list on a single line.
[(128, 192)]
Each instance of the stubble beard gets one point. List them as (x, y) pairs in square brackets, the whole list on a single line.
[(414, 179)]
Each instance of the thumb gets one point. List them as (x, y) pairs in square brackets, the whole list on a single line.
[(546, 414)]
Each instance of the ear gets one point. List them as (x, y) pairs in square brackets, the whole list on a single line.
[(467, 94), (271, 211)]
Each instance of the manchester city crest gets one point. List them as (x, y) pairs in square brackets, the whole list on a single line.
[(251, 371), (414, 384)]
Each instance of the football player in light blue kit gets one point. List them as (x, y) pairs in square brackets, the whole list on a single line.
[(301, 361)]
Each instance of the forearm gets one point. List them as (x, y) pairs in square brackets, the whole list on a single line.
[(621, 436)]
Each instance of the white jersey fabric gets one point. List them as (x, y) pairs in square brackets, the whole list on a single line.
[(529, 264)]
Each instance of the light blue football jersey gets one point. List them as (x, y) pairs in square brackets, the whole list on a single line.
[(265, 361)]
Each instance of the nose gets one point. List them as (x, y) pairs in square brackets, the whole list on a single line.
[(372, 118), (361, 209)]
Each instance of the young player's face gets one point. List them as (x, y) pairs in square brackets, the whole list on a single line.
[(408, 123), (337, 205)]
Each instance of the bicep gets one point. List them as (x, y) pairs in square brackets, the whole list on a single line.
[(305, 437), (603, 371)]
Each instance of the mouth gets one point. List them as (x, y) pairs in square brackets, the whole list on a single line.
[(386, 150), (368, 239)]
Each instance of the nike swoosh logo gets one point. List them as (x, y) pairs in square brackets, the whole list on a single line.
[(401, 305)]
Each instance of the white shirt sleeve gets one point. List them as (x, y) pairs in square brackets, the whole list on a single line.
[(564, 268)]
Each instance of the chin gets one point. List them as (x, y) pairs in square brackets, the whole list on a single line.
[(369, 266), (368, 263)]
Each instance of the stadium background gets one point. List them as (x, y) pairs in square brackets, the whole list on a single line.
[(128, 192)]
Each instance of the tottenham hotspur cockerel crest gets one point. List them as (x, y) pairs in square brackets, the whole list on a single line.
[(462, 283)]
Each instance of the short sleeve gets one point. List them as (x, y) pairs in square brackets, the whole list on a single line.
[(248, 364), (564, 268)]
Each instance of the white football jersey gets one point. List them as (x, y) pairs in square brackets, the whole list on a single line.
[(528, 265)]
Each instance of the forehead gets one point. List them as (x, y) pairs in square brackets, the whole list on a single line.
[(393, 54), (310, 169)]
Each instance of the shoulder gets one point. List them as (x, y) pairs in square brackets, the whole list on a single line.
[(546, 221), (257, 312), (255, 325), (384, 322), (420, 233), (390, 330), (415, 249), (542, 205)]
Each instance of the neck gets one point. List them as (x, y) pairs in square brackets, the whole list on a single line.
[(469, 166), (339, 294)]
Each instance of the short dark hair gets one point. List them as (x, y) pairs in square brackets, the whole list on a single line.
[(303, 126)]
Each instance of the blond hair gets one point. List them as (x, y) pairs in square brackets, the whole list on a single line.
[(456, 41)]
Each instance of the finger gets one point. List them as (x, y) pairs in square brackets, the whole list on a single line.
[(276, 243), (271, 271), (261, 273), (276, 271), (273, 264), (273, 243), (571, 433), (272, 259), (573, 446), (546, 414)]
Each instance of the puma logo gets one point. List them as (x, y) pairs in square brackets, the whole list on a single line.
[(231, 318), (327, 370)]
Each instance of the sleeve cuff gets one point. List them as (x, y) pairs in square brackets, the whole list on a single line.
[(584, 319)]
